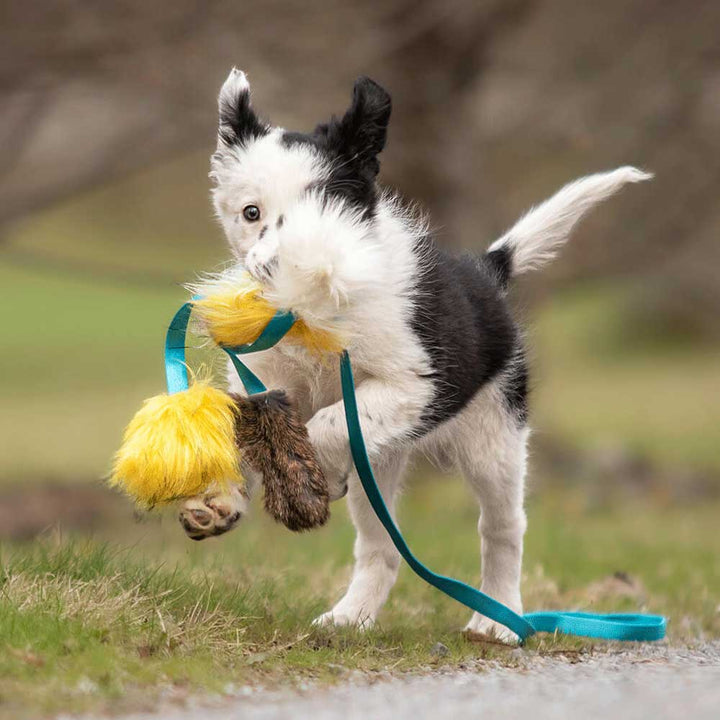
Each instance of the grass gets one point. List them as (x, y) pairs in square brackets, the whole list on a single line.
[(85, 624), (76, 359), (605, 378)]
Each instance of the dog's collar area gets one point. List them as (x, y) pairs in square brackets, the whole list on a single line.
[(614, 626)]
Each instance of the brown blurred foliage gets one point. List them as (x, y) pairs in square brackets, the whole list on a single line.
[(497, 102)]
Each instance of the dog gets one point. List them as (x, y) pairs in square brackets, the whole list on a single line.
[(439, 360)]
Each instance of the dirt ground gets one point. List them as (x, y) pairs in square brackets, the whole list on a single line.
[(630, 682)]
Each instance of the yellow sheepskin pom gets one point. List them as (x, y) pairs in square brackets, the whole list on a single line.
[(177, 445), (238, 317)]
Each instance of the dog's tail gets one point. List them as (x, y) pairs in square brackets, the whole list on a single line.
[(536, 238)]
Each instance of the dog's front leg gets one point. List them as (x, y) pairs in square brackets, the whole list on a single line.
[(389, 412)]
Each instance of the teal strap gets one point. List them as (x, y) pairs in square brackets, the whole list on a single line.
[(175, 342), (613, 626), (608, 627), (176, 373), (460, 591), (274, 331), (252, 383)]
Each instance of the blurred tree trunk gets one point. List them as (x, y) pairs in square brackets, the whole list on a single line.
[(435, 66)]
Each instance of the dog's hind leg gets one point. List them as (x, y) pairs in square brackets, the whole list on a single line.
[(376, 559), (492, 455)]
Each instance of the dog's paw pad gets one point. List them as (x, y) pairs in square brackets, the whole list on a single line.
[(210, 515)]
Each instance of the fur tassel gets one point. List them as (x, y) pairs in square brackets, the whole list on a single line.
[(275, 443), (176, 445), (237, 317)]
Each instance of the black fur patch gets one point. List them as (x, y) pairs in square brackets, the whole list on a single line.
[(464, 325), (238, 121), (500, 263), (515, 390), (352, 145)]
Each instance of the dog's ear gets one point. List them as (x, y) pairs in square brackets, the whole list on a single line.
[(361, 133), (238, 122)]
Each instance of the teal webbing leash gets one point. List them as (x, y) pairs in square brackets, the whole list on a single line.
[(613, 626)]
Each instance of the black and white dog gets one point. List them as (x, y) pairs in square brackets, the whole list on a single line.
[(439, 361)]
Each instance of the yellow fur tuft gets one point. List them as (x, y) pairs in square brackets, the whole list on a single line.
[(177, 445), (238, 317)]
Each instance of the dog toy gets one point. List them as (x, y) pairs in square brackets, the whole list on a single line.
[(177, 444), (274, 442), (180, 443)]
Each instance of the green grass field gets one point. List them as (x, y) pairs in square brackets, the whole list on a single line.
[(138, 611), (77, 360), (605, 377)]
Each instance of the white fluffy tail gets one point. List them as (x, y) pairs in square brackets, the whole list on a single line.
[(536, 238)]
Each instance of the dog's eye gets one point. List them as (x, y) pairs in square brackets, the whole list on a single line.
[(251, 213)]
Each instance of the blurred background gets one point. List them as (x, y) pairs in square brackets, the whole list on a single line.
[(107, 123)]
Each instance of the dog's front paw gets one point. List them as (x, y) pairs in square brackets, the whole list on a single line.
[(344, 617), (481, 628), (213, 514)]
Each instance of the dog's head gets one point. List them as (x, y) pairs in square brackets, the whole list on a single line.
[(262, 174)]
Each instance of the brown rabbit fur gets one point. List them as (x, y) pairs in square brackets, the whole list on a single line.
[(275, 443)]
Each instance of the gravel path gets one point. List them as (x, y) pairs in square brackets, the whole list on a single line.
[(648, 681)]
